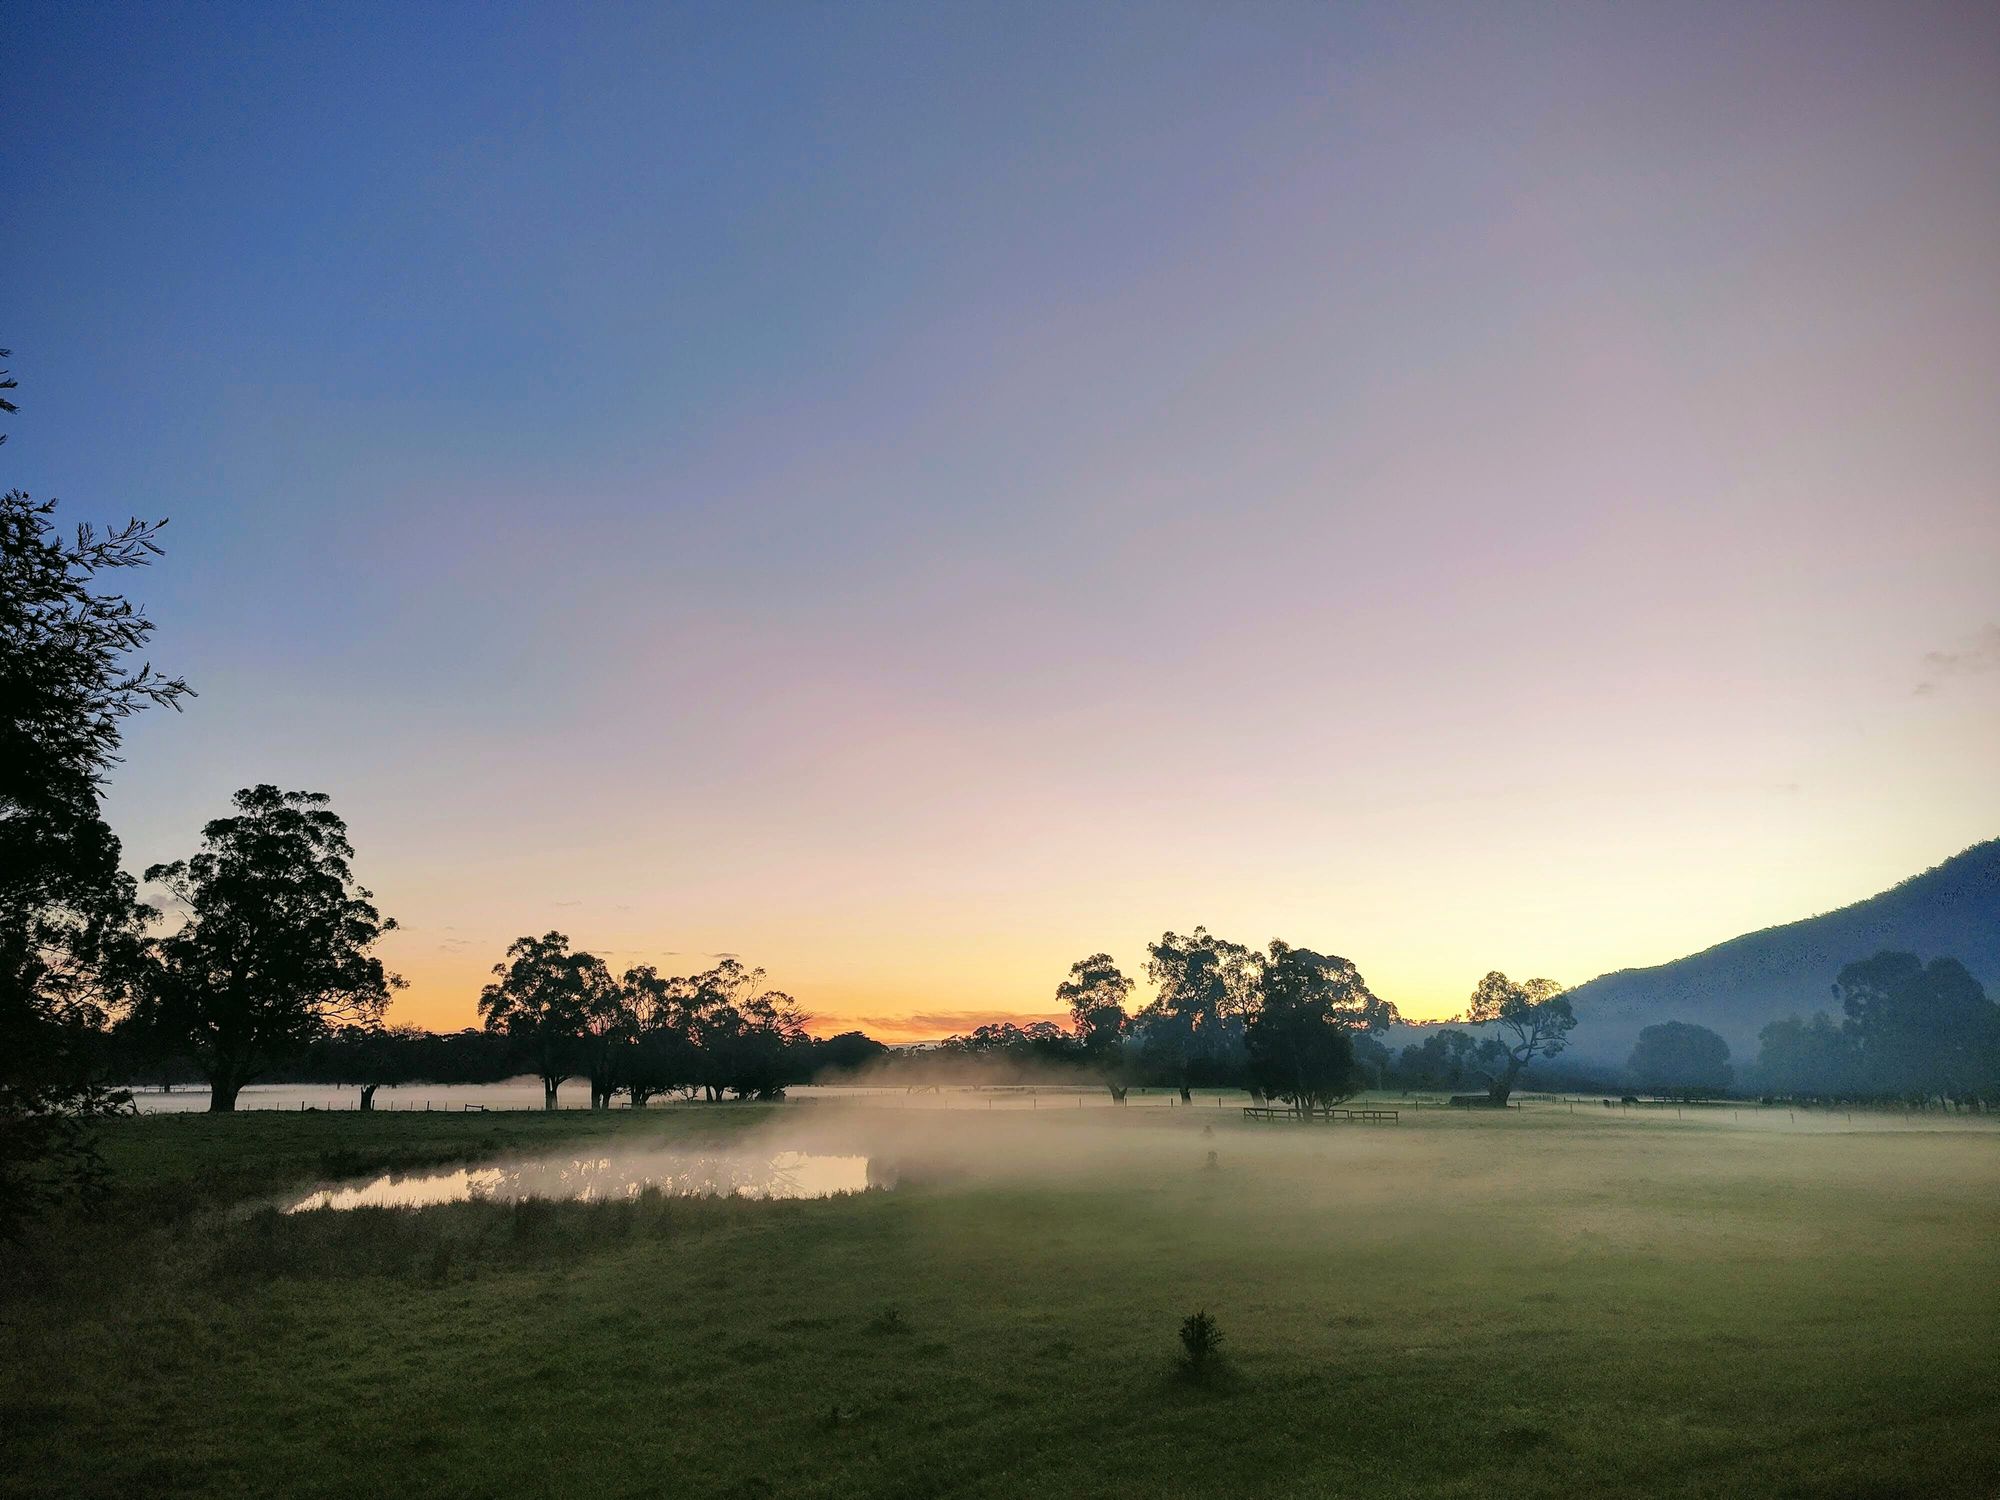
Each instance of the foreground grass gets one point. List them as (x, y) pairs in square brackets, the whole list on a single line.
[(1539, 1304)]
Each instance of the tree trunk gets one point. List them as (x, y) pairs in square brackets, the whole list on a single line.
[(1498, 1089), (222, 1092), (1118, 1092), (368, 1095), (549, 1092), (1187, 1094)]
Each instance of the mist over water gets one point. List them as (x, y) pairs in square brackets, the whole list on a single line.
[(610, 1177)]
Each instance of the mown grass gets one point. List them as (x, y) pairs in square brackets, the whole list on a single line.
[(1541, 1305)]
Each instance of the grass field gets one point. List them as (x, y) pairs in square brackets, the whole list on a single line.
[(1543, 1303)]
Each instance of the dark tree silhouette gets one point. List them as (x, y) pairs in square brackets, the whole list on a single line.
[(70, 918), (1300, 1038), (1094, 994), (660, 1054), (273, 950), (1533, 1020), (1440, 1061), (1805, 1059), (849, 1052), (538, 997), (1206, 986), (610, 1026), (1681, 1061), (1919, 1030)]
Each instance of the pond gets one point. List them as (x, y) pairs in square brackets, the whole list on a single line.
[(606, 1178)]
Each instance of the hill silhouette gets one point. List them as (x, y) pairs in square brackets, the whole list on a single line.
[(1738, 987)]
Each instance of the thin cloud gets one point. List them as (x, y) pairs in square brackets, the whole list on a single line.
[(1977, 654)]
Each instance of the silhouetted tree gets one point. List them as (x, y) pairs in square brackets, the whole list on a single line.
[(1300, 1038), (70, 918), (1533, 1020), (610, 1026), (660, 1054), (274, 947), (750, 1041), (1804, 1059), (1919, 1030), (1439, 1061), (1681, 1060), (1094, 994), (1206, 986), (538, 997), (374, 1057), (849, 1052)]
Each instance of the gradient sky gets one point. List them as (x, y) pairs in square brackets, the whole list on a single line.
[(915, 495)]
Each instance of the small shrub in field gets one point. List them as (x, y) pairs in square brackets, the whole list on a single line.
[(1201, 1343), (888, 1320)]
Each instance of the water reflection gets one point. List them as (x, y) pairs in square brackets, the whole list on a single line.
[(782, 1174)]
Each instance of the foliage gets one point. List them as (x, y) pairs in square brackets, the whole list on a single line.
[(1095, 994), (1680, 1060), (1917, 1029), (1201, 1343), (70, 919), (1206, 987), (538, 997), (1532, 1020), (1441, 1060), (850, 1052), (1300, 1039), (1806, 1059), (1911, 1031), (274, 948), (719, 1032)]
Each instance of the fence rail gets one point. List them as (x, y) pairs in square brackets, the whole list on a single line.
[(1325, 1114)]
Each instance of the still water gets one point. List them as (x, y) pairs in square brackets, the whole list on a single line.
[(781, 1174)]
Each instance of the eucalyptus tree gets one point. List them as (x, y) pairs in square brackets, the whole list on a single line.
[(660, 1055), (71, 924), (610, 1027), (275, 946), (1300, 1038), (1094, 994), (1206, 988), (749, 1040), (1920, 1030), (1532, 1020), (542, 997), (1682, 1060)]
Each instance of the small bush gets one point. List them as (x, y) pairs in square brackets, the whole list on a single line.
[(1201, 1344), (888, 1320)]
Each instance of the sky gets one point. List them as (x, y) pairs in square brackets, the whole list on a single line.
[(915, 495)]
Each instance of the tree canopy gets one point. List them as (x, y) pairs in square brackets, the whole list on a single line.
[(1681, 1060), (70, 918), (1206, 987), (1095, 994), (1300, 1037), (1532, 1020), (275, 946)]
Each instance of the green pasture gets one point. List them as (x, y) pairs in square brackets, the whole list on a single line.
[(1544, 1302)]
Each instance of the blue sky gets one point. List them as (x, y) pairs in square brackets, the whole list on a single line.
[(917, 494)]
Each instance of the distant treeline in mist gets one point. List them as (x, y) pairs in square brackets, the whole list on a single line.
[(1907, 1031)]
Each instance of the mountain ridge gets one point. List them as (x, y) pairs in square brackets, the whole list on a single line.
[(1738, 986)]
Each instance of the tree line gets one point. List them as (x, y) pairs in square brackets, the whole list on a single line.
[(1285, 1023)]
